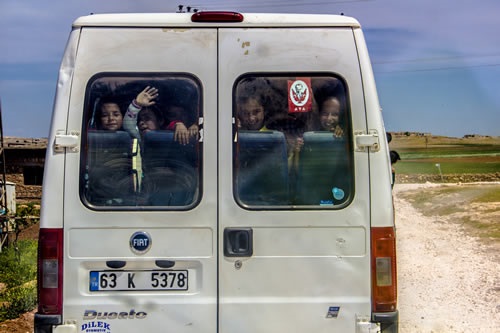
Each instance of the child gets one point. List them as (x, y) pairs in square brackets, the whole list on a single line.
[(109, 117), (137, 122), (251, 114), (149, 119), (145, 98), (330, 112), (182, 134)]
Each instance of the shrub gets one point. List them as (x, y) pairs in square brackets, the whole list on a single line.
[(18, 263), (18, 300), (18, 273)]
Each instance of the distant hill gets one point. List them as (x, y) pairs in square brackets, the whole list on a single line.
[(400, 139), (421, 140)]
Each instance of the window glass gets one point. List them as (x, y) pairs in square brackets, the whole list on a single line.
[(292, 143), (142, 142)]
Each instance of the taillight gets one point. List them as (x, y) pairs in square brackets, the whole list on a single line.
[(50, 256), (384, 278), (217, 16)]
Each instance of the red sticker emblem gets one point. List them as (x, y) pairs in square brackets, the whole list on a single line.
[(299, 95)]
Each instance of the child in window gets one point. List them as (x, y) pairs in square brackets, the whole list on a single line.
[(251, 114), (330, 112), (149, 119), (331, 102), (109, 116), (143, 116), (178, 117)]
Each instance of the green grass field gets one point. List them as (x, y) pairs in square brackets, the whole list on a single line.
[(447, 166), (432, 155)]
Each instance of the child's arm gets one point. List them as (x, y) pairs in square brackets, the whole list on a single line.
[(130, 120), (143, 99), (338, 131), (181, 133), (146, 97), (193, 130)]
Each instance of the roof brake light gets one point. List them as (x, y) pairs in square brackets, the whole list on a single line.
[(217, 17)]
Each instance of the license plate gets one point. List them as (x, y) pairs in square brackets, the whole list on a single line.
[(138, 280)]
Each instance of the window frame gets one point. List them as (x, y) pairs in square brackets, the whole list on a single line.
[(348, 130), (134, 78)]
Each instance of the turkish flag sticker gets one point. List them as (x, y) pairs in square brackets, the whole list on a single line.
[(299, 95)]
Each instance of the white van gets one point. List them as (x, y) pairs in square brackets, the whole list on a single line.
[(217, 172)]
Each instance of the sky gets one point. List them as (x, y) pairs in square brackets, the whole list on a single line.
[(436, 62)]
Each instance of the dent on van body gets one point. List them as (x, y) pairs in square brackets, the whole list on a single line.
[(310, 242)]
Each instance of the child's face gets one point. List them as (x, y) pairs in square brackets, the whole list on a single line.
[(330, 114), (147, 121), (111, 117), (175, 113), (251, 115)]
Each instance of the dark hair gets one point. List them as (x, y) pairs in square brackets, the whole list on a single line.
[(332, 90), (154, 109), (107, 99), (254, 88), (181, 94)]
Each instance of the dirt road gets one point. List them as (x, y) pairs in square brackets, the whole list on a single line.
[(448, 281)]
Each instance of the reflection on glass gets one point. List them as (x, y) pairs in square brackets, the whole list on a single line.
[(142, 142), (292, 142)]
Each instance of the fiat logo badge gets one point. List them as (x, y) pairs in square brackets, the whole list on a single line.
[(140, 242)]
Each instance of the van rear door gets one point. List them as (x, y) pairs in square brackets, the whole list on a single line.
[(119, 247), (287, 264)]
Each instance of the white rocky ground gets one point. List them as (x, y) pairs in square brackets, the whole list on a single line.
[(448, 281)]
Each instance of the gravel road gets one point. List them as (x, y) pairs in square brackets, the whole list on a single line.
[(447, 281)]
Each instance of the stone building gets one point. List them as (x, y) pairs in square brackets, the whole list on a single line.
[(24, 162)]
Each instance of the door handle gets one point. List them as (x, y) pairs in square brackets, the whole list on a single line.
[(116, 264), (165, 263), (238, 242)]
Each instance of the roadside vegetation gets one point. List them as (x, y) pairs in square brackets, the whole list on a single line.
[(437, 155), (18, 267), (475, 207)]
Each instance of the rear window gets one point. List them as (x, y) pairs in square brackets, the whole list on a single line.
[(292, 142), (142, 142)]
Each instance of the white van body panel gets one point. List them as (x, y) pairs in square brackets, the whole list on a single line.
[(310, 268), (380, 166), (52, 198), (188, 237), (297, 260)]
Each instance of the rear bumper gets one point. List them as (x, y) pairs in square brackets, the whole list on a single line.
[(44, 323), (388, 321)]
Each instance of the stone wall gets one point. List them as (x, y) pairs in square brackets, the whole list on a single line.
[(24, 193), (451, 178)]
